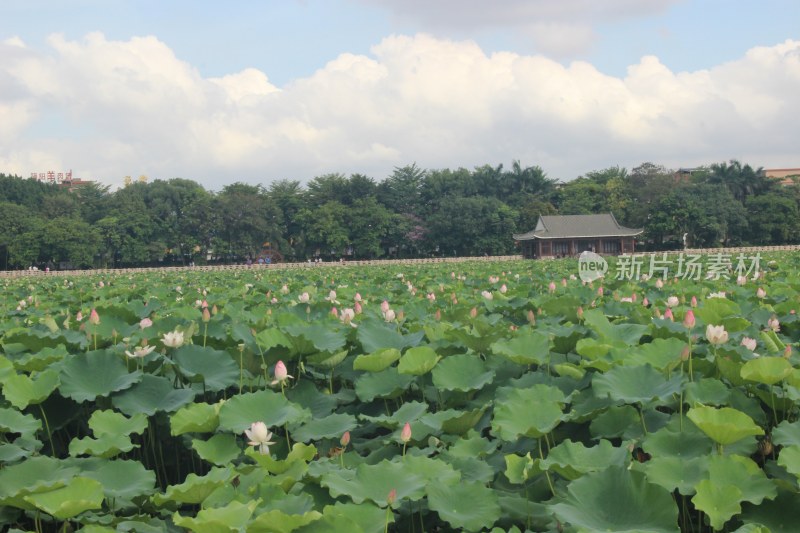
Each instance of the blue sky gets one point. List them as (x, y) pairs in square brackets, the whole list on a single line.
[(257, 91)]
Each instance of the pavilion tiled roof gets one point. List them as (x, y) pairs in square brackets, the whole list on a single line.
[(576, 227)]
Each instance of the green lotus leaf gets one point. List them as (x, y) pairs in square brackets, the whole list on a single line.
[(122, 480), (771, 341), (321, 337), (330, 427), (113, 423), (238, 413), (105, 446), (466, 506), (325, 359), (276, 521), (306, 394), (77, 496), (530, 412), (520, 469), (41, 360), (661, 354), (375, 336), (715, 310), (12, 421), (787, 434), (195, 488), (6, 368), (195, 418), (214, 368), (790, 459), (528, 347), (300, 453), (365, 517), (572, 459), (431, 469), (707, 391), (408, 412), (36, 474), (683, 442), (21, 448), (766, 370), (779, 515), (150, 395), (418, 361), (621, 335), (724, 425), (637, 506), (334, 523), (375, 482), (22, 391), (453, 421), (471, 468), (228, 519), (636, 384), (386, 384), (744, 473), (88, 375), (272, 338), (676, 473), (220, 449), (719, 502), (461, 372), (377, 360)]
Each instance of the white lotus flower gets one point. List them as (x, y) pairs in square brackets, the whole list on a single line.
[(716, 334), (142, 351), (259, 436), (173, 339)]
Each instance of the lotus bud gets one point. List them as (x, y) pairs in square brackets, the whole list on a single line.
[(668, 315), (531, 317), (563, 282), (645, 302), (600, 291), (694, 301), (659, 283), (787, 352), (392, 497), (384, 306), (206, 315), (405, 434), (503, 288), (357, 308), (145, 323), (580, 313), (774, 324), (438, 314), (473, 312), (334, 312), (400, 316), (688, 319), (94, 318), (633, 297), (214, 310), (657, 313), (389, 315), (551, 287), (749, 343), (761, 293), (345, 440)]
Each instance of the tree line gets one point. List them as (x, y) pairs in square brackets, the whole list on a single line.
[(411, 213)]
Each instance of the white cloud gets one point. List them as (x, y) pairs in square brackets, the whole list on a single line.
[(133, 107)]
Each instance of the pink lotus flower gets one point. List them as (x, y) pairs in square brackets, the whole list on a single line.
[(503, 288), (274, 300), (145, 323), (347, 315), (94, 318), (741, 280), (761, 293), (688, 319), (749, 343), (281, 374), (357, 297), (303, 298), (673, 301), (487, 295), (405, 435), (431, 297), (659, 283), (384, 306), (774, 324)]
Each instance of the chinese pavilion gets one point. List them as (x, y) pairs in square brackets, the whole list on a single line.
[(569, 235)]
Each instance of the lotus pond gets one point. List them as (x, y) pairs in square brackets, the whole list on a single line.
[(496, 396)]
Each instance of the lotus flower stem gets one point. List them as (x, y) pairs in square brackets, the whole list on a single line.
[(546, 472), (49, 434)]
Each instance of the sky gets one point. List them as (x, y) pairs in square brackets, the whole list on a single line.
[(257, 91)]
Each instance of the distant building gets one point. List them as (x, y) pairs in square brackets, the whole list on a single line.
[(569, 235), (787, 176), (62, 179)]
